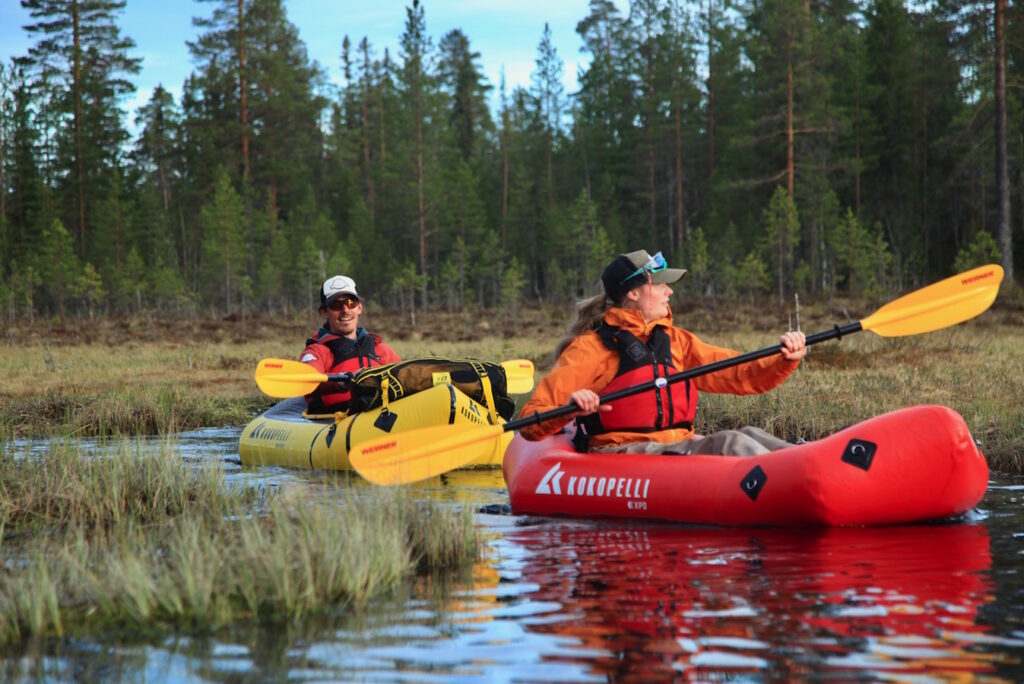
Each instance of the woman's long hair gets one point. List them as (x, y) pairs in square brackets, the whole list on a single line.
[(589, 314)]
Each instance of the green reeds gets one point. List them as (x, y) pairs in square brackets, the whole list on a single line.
[(137, 539), (120, 411)]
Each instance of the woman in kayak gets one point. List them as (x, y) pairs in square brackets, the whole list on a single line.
[(341, 345), (624, 337)]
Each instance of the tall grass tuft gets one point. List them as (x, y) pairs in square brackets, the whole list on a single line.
[(135, 539)]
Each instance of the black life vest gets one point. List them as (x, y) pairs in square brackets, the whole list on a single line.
[(672, 406), (349, 356)]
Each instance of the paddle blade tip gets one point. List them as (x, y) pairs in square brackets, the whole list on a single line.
[(518, 375), (407, 457)]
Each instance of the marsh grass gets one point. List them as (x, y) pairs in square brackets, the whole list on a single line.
[(134, 377), (135, 539), (152, 377), (975, 370)]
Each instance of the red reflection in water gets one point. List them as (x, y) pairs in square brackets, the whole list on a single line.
[(669, 602)]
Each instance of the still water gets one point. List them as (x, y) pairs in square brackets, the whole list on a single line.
[(559, 600)]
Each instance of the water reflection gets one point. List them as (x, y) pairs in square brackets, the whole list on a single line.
[(665, 601), (591, 601)]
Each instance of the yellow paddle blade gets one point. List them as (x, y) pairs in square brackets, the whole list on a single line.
[(283, 378), (417, 455), (939, 305), (519, 375)]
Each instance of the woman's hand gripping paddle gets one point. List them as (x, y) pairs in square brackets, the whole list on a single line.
[(420, 454)]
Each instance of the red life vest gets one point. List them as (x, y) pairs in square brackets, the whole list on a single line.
[(349, 356), (672, 406)]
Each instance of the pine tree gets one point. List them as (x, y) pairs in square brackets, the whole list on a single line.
[(224, 241), (56, 265), (155, 147), (781, 235), (81, 61), (283, 107), (604, 103), (417, 86), (223, 49), (889, 43), (549, 95), (466, 85)]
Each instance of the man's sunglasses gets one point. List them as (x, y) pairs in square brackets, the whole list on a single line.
[(654, 264), (346, 303)]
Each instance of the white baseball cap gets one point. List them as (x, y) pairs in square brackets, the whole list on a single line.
[(335, 287)]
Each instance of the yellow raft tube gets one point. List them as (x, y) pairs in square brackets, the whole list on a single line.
[(285, 436)]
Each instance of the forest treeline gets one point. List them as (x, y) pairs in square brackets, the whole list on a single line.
[(769, 146)]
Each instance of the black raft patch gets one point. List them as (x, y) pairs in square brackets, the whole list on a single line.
[(753, 482), (860, 453), (385, 421)]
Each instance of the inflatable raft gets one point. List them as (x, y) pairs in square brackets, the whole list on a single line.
[(914, 464), (284, 436)]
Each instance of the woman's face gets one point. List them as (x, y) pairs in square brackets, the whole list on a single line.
[(652, 300)]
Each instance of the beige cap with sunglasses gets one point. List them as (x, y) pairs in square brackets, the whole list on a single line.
[(336, 287), (621, 275)]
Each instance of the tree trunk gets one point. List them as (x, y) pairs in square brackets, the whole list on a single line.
[(383, 153), (421, 211), (367, 170), (1002, 175), (76, 94), (243, 99), (680, 219), (551, 193), (504, 181), (856, 146), (711, 92), (650, 148), (789, 119), (924, 168)]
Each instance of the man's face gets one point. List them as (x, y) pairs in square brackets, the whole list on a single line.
[(342, 316)]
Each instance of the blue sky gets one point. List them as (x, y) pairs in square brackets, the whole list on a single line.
[(504, 32)]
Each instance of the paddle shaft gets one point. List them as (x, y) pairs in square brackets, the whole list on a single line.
[(835, 332)]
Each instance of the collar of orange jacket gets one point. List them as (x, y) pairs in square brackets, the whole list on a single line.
[(632, 320)]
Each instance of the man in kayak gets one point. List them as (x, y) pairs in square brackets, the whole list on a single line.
[(341, 345), (625, 337)]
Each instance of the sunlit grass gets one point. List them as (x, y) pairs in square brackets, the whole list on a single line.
[(135, 538), (975, 369), (164, 382)]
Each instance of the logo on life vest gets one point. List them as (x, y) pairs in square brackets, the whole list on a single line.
[(591, 486)]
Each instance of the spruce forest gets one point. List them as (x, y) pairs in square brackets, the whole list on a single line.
[(771, 147)]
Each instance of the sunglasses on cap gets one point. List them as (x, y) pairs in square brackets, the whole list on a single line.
[(344, 302), (654, 264)]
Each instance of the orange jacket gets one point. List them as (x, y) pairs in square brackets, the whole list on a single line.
[(588, 363)]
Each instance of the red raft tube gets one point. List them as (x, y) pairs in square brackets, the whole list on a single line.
[(911, 465)]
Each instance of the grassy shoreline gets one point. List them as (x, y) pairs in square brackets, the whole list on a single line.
[(128, 377), (136, 539)]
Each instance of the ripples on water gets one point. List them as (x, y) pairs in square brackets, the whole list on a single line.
[(560, 600)]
